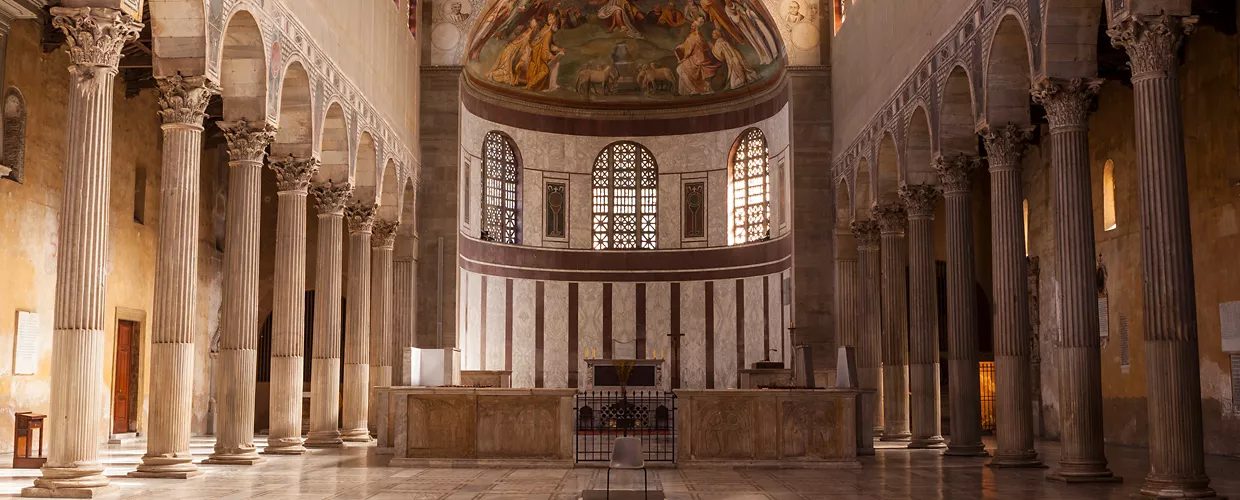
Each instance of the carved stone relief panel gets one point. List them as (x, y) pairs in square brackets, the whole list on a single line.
[(694, 209), (812, 429), (556, 199), (519, 427), (441, 426)]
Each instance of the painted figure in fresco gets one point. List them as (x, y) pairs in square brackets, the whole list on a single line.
[(794, 14), (717, 13), (515, 56), (739, 70), (621, 15), (671, 16), (543, 54), (693, 11), (754, 30), (697, 66), (454, 13), (491, 25)]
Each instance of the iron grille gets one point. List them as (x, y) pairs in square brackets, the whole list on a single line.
[(603, 416), (987, 376)]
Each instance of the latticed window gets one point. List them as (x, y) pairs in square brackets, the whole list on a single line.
[(499, 190), (751, 189), (626, 198)]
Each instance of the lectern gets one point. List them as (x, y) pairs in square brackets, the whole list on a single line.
[(23, 440)]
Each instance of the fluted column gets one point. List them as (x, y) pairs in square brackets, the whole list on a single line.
[(1082, 458), (288, 316), (892, 221), (404, 284), (183, 103), (1177, 459), (845, 287), (381, 244), (325, 367), (1013, 394), (926, 415), (238, 358), (95, 37), (869, 317), (963, 379), (353, 427)]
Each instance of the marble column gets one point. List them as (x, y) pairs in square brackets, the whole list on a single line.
[(963, 379), (1013, 391), (926, 415), (288, 316), (183, 103), (869, 317), (95, 37), (382, 242), (238, 358), (353, 427), (845, 287), (325, 367), (404, 284), (1177, 459), (892, 222), (1082, 458)]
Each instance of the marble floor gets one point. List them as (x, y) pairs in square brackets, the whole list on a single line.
[(357, 473)]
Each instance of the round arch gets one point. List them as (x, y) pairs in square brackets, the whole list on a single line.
[(501, 188), (919, 149), (1007, 74), (243, 70), (366, 169), (957, 116), (1070, 37), (389, 192), (749, 175), (334, 146), (295, 114), (625, 188), (863, 190), (180, 37), (888, 185)]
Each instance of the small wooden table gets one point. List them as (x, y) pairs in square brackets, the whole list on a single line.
[(23, 440)]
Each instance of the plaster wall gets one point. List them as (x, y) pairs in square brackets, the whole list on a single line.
[(28, 233), (877, 46)]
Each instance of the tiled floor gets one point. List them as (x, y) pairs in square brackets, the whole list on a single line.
[(356, 473)]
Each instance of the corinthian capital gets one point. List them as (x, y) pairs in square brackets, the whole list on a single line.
[(956, 172), (247, 141), (95, 36), (331, 198), (293, 173), (867, 233), (183, 100), (384, 234), (1152, 42), (1066, 101), (1006, 145), (920, 200), (361, 217), (892, 218)]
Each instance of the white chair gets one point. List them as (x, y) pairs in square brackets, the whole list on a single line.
[(626, 454)]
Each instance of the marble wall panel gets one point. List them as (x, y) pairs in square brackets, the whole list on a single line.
[(531, 208), (523, 344), (473, 323), (579, 209), (497, 342), (787, 291), (693, 329), (589, 324), (725, 334), (555, 334), (659, 324), (462, 314), (624, 320), (755, 328), (717, 208), (669, 211), (776, 320)]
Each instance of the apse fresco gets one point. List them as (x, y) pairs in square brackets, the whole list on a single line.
[(623, 51)]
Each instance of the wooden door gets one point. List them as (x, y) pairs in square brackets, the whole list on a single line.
[(122, 397)]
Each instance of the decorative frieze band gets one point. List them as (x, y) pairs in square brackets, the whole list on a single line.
[(919, 200), (331, 198), (293, 173), (956, 172), (248, 141), (1152, 42), (184, 100), (1006, 145), (1066, 101), (892, 217)]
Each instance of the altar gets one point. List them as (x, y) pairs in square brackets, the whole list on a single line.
[(609, 374)]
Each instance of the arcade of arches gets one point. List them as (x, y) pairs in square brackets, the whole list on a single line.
[(800, 248)]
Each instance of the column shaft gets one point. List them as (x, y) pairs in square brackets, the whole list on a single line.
[(380, 314), (1013, 393), (236, 373), (963, 379), (357, 334), (892, 221), (95, 38), (288, 319), (403, 276), (1082, 458), (869, 319), (1177, 457), (846, 287), (325, 367), (925, 412), (184, 101)]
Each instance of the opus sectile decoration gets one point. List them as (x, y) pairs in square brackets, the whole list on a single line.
[(556, 198)]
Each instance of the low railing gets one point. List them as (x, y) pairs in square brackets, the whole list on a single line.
[(603, 416)]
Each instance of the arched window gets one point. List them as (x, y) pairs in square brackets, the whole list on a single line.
[(500, 216), (751, 189), (626, 198), (1108, 196), (13, 159)]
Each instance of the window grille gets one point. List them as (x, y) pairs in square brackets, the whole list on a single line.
[(500, 217), (626, 196)]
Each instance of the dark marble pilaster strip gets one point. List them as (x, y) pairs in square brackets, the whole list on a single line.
[(508, 324), (482, 330), (539, 328), (574, 329), (640, 334), (740, 327), (674, 338), (607, 320), (766, 317), (710, 334)]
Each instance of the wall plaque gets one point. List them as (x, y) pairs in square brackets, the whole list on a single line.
[(556, 198), (1104, 321), (26, 355), (695, 209), (1124, 357), (1229, 316), (1235, 384)]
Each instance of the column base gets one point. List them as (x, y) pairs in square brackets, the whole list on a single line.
[(933, 443), (95, 492), (966, 450), (233, 460), (1021, 461), (161, 467), (138, 474), (356, 435), (285, 450), (1105, 476), (1155, 488), (896, 436)]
